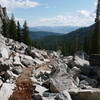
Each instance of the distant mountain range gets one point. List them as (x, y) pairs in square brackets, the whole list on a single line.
[(54, 29)]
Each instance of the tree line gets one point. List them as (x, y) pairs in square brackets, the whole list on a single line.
[(83, 39), (13, 30)]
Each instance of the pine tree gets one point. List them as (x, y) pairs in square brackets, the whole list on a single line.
[(86, 45), (18, 32), (25, 32), (95, 44), (76, 43), (12, 31), (95, 40)]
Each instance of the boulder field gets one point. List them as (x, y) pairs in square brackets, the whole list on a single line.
[(27, 73)]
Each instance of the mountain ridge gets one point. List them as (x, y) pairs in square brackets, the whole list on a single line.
[(55, 29), (41, 34)]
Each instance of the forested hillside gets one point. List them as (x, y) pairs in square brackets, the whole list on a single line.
[(68, 43), (41, 34)]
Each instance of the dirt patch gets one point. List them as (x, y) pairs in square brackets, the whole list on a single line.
[(24, 86)]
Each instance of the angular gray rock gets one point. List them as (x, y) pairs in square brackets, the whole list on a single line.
[(27, 61), (64, 95), (79, 62), (17, 70)]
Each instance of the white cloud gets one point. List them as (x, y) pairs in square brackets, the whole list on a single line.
[(84, 13), (81, 18), (18, 3)]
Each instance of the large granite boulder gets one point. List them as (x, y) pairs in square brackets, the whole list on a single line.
[(60, 80), (75, 73), (83, 64), (79, 62)]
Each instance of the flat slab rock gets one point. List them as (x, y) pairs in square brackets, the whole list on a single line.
[(87, 94)]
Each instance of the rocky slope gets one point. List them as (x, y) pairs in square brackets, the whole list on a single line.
[(45, 75)]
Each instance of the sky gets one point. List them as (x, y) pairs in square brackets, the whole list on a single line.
[(52, 12)]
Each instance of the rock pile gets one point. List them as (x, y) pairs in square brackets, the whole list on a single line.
[(53, 76)]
